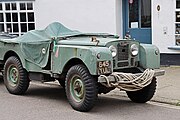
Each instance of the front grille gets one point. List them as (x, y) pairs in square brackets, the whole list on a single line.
[(114, 63), (122, 64), (132, 62), (123, 51)]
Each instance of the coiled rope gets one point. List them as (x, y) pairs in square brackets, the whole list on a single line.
[(129, 81)]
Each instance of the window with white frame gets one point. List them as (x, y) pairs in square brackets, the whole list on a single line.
[(17, 17)]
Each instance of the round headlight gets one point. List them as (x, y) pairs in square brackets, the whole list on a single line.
[(113, 50), (134, 50)]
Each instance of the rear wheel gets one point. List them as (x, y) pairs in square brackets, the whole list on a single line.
[(15, 77), (81, 88), (143, 95)]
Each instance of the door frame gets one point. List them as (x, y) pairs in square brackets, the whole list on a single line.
[(145, 33)]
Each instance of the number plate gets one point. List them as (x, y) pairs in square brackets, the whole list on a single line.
[(104, 67)]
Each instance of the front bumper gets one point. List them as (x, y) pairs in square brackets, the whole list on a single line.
[(128, 81), (112, 78)]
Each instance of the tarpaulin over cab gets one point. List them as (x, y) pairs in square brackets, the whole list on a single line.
[(35, 44)]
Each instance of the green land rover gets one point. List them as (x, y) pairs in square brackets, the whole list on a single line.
[(85, 64)]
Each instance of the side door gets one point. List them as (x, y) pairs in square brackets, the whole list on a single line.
[(137, 20)]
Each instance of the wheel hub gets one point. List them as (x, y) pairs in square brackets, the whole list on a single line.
[(13, 75), (77, 89)]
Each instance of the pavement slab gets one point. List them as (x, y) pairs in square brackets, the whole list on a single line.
[(168, 89)]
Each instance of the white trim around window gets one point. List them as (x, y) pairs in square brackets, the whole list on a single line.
[(17, 17)]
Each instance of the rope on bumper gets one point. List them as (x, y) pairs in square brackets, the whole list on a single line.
[(128, 81)]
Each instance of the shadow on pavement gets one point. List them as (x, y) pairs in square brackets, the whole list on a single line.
[(115, 104), (46, 92), (58, 93), (1, 80), (105, 104)]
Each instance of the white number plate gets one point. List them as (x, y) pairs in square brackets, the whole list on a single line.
[(104, 67)]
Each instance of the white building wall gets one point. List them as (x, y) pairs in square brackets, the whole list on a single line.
[(119, 18), (82, 15), (163, 25)]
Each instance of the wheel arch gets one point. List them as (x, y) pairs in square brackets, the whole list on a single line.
[(72, 62), (13, 53), (9, 54)]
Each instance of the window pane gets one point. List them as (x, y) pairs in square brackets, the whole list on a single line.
[(13, 5), (177, 29), (0, 6), (177, 3), (15, 28), (9, 28), (134, 14), (8, 17), (16, 34), (23, 17), (29, 6), (15, 17), (7, 5), (1, 17), (30, 17), (145, 13), (177, 40), (31, 26), (177, 16), (1, 27), (23, 27), (22, 6)]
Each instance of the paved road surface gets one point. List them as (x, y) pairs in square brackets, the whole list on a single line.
[(44, 102)]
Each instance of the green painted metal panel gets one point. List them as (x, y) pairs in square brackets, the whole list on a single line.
[(6, 48), (87, 55), (87, 41), (149, 56)]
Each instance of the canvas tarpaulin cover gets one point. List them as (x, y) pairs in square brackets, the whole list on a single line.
[(35, 44)]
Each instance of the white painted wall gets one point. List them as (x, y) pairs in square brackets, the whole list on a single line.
[(82, 15), (106, 16), (164, 21), (119, 18)]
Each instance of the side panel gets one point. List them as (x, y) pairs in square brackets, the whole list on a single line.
[(6, 48), (86, 54), (149, 56), (10, 47)]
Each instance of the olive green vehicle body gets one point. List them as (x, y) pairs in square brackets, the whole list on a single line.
[(88, 49)]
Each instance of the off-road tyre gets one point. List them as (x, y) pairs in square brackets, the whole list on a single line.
[(15, 76), (145, 94), (81, 88)]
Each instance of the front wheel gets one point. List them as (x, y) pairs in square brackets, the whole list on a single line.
[(81, 88), (15, 77), (143, 95)]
